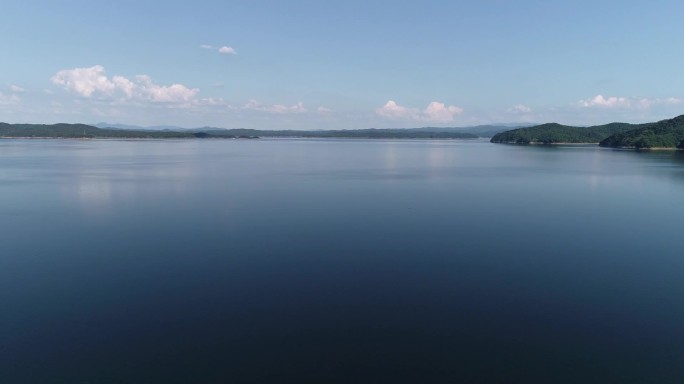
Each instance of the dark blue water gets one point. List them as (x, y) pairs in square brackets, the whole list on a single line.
[(343, 261)]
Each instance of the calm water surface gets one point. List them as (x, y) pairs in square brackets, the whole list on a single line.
[(289, 261)]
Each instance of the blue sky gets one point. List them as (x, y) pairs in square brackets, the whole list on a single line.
[(336, 65)]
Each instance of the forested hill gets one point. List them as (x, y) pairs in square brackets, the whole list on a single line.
[(73, 131), (552, 133), (662, 134)]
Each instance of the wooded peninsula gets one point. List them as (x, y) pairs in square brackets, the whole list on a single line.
[(664, 134)]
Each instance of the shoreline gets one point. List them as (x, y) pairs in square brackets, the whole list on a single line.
[(648, 149), (242, 138), (541, 143), (590, 144)]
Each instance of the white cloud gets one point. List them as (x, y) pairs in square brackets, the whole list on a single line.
[(610, 102), (434, 112), (437, 111), (323, 110), (16, 88), (393, 110), (227, 50), (255, 105), (84, 81), (213, 102), (252, 104), (673, 101), (599, 101), (297, 108), (224, 50), (93, 81), (146, 89), (520, 109)]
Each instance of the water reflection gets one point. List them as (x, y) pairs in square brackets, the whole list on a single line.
[(110, 174), (93, 192), (245, 261)]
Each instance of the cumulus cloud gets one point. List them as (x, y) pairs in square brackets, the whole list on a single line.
[(437, 111), (16, 88), (323, 110), (206, 46), (227, 50), (255, 105), (520, 109), (434, 112), (93, 82), (393, 110)]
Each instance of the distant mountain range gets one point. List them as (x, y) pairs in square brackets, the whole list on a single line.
[(667, 133), (477, 131), (106, 130), (83, 131)]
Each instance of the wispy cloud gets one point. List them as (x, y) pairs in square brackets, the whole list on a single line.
[(93, 82), (224, 50), (16, 88), (519, 109), (623, 102), (434, 112), (606, 102), (255, 105)]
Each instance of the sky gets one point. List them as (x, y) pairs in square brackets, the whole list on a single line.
[(340, 64)]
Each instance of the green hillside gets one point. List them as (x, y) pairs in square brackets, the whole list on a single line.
[(662, 134), (74, 131), (552, 133)]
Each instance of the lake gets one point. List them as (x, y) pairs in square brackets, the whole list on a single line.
[(339, 261)]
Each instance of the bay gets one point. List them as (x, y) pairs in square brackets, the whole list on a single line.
[(252, 261)]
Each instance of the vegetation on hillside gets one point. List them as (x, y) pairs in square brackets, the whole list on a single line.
[(74, 131), (662, 134), (553, 133)]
